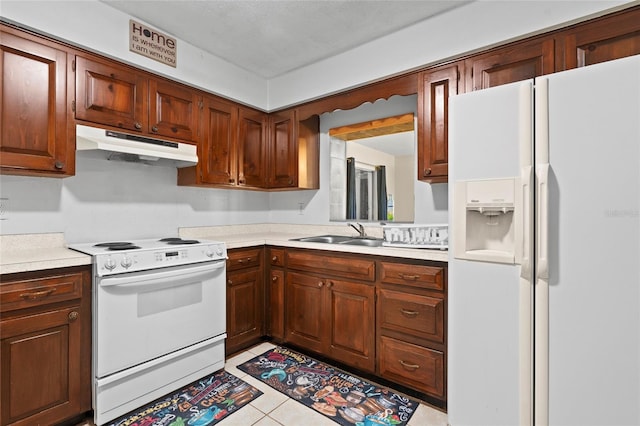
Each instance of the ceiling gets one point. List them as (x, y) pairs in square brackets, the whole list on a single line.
[(273, 37)]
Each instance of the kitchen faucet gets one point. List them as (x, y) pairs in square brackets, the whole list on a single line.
[(358, 228)]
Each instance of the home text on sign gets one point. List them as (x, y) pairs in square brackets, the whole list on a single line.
[(148, 42)]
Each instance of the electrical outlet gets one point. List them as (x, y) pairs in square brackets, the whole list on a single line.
[(4, 208), (300, 208)]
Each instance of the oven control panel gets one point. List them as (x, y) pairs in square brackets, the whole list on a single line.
[(143, 259)]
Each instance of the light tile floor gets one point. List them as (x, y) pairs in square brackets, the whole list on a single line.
[(276, 409)]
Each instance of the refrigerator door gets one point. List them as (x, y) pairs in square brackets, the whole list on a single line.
[(489, 309), (587, 314)]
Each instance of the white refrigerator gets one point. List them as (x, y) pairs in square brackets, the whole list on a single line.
[(544, 253)]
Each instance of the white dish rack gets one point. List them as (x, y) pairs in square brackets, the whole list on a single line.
[(417, 236)]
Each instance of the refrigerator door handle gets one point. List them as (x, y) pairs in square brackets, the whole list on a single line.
[(542, 231), (526, 179)]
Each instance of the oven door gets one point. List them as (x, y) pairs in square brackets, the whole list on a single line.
[(141, 316)]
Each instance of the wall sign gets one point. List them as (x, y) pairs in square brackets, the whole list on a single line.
[(151, 43)]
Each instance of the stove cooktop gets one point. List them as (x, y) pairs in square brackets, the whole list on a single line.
[(114, 257)]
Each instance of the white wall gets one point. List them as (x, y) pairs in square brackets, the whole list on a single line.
[(103, 29), (466, 29), (98, 27), (111, 200)]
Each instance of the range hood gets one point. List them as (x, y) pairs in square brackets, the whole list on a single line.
[(129, 147)]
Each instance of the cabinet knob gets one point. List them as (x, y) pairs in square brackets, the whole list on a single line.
[(274, 278), (137, 126), (230, 282), (154, 129), (59, 165), (329, 284), (320, 284), (73, 315), (274, 259), (242, 180), (232, 180), (290, 181), (427, 172)]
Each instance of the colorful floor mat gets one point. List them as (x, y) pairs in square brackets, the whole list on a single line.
[(340, 396), (203, 402)]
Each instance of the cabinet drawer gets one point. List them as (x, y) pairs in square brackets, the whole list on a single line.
[(241, 259), (429, 277), (41, 291), (276, 257), (322, 263), (419, 316), (415, 366)]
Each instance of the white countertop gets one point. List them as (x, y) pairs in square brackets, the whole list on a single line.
[(33, 252), (239, 236)]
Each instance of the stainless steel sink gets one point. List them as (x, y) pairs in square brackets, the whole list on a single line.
[(360, 241), (341, 239), (329, 239)]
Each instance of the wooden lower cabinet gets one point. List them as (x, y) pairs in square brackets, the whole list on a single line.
[(245, 299), (275, 294), (416, 366), (45, 346), (329, 313)]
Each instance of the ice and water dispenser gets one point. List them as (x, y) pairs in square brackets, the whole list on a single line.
[(488, 220)]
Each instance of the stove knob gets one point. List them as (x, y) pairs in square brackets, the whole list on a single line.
[(209, 252), (126, 262), (110, 264), (219, 251)]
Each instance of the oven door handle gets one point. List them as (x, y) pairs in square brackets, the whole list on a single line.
[(176, 276)]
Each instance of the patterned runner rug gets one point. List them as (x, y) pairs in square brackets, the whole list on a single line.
[(203, 402), (340, 396)]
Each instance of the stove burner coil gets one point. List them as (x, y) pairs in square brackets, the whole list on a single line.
[(176, 241)]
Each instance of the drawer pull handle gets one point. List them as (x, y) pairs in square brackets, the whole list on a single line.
[(409, 313), (38, 294), (407, 366), (247, 260), (409, 277), (73, 316)]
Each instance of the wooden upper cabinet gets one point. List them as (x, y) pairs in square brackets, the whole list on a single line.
[(606, 39), (283, 152), (252, 152), (122, 97), (173, 110), (110, 94), (435, 88), (509, 64), (34, 106), (217, 147)]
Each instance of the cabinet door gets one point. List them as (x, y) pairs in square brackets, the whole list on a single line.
[(40, 374), (607, 39), (283, 152), (516, 62), (435, 88), (173, 110), (352, 320), (218, 159), (305, 302), (33, 109), (252, 151), (244, 308), (111, 95), (276, 304)]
